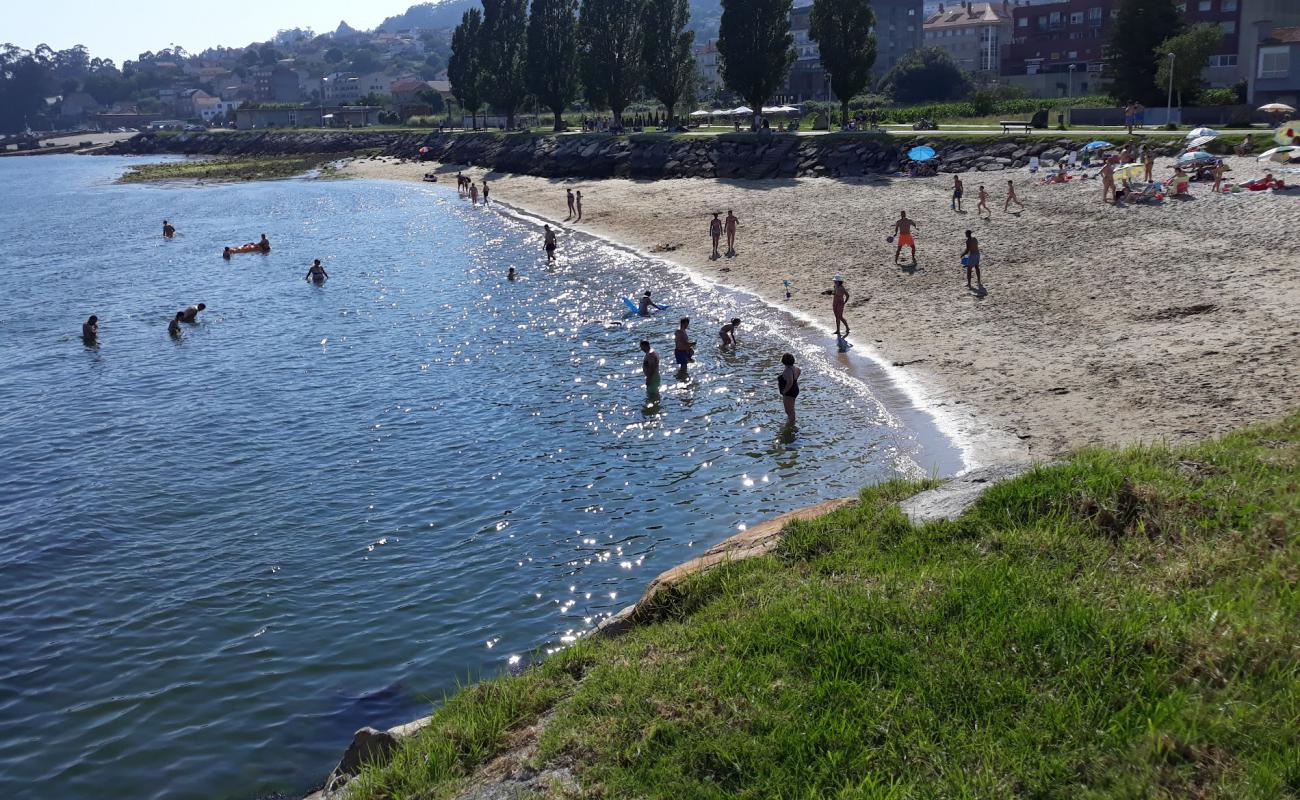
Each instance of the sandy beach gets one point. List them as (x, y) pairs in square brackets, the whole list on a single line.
[(1099, 324)]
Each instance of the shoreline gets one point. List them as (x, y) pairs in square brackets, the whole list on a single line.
[(1103, 325)]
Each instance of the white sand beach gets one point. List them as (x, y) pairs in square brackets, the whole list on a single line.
[(1101, 324)]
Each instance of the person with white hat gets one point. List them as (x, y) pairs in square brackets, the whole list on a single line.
[(839, 299)]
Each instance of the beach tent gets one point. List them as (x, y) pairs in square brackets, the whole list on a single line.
[(1195, 133), (921, 153), (739, 110), (1097, 145), (1286, 132), (1277, 108), (702, 113), (1280, 154)]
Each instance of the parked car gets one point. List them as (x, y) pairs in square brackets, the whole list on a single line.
[(195, 128)]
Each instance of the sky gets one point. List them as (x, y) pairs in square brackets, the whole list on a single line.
[(122, 29)]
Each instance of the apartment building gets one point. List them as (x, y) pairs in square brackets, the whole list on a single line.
[(972, 33)]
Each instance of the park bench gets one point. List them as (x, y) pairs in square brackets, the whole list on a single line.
[(1008, 124)]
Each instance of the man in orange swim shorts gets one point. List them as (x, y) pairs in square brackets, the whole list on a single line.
[(903, 229)]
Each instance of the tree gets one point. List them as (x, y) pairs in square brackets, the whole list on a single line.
[(333, 55), (505, 52), (430, 97), (553, 54), (842, 30), (26, 78), (925, 74), (610, 49), (464, 69), (1139, 27), (669, 63), (1192, 50), (755, 48)]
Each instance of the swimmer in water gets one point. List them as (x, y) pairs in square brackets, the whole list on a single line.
[(90, 330), (729, 331), (264, 245), (226, 254), (191, 314), (168, 230), (174, 327), (643, 308), (650, 366), (510, 274), (316, 273), (683, 347)]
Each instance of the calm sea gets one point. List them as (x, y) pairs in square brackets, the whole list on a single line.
[(323, 507)]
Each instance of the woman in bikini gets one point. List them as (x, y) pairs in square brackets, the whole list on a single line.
[(788, 384)]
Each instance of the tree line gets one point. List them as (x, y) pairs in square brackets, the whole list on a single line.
[(609, 52)]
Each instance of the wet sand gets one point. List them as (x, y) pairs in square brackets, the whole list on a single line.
[(1098, 324)]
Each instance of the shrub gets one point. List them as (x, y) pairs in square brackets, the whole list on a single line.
[(1218, 97)]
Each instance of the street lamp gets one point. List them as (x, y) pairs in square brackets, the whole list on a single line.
[(1069, 86), (1169, 104)]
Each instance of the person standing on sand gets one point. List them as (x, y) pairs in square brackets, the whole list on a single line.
[(650, 367), (903, 230), (970, 258), (1218, 177), (984, 203), (168, 230), (840, 298), (90, 331), (1148, 164), (1011, 197), (956, 193), (683, 347), (730, 226), (1108, 182), (729, 331), (578, 204), (715, 232), (548, 242), (787, 383), (570, 201)]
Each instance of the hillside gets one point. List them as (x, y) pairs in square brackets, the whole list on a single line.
[(705, 15)]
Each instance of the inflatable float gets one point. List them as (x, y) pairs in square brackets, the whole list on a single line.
[(248, 248)]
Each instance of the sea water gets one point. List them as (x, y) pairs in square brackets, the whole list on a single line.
[(324, 507)]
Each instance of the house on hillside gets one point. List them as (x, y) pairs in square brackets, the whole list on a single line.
[(76, 106)]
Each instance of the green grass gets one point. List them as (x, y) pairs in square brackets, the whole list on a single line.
[(237, 168), (1126, 624)]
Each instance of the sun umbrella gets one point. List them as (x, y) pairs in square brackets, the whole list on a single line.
[(1201, 141), (1277, 108), (1198, 132), (1195, 156), (1279, 154), (921, 153), (742, 110), (1129, 171), (1097, 145), (1287, 131), (701, 113)]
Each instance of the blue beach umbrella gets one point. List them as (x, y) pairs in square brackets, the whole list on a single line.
[(1097, 145), (921, 153), (1195, 156)]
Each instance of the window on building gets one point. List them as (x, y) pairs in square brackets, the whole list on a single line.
[(1274, 62), (1072, 54), (1114, 13), (1094, 14), (1076, 17), (1228, 5), (1023, 22), (1229, 26), (1229, 60), (1203, 5)]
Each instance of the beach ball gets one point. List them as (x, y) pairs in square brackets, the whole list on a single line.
[(889, 239)]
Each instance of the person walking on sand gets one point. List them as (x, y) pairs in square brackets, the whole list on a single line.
[(903, 230), (1011, 197), (730, 226), (984, 203), (168, 230), (548, 242), (577, 202), (787, 383), (683, 347), (570, 201), (650, 367), (715, 232), (729, 331), (839, 299), (90, 331), (316, 273), (956, 194), (970, 259), (1108, 182)]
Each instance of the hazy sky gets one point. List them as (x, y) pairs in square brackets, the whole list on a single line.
[(122, 29)]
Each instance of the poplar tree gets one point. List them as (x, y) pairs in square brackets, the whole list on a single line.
[(610, 51), (464, 69), (552, 54), (842, 30), (1140, 26), (504, 42), (669, 63), (755, 48)]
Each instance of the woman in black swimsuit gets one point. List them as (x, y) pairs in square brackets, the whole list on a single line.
[(788, 384)]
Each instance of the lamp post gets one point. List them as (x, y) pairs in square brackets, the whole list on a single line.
[(1069, 86), (1169, 103)]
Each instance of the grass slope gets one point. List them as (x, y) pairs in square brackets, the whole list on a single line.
[(1126, 624)]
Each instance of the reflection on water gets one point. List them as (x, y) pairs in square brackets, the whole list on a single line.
[(324, 504)]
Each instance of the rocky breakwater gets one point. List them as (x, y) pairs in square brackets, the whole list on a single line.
[(746, 156)]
